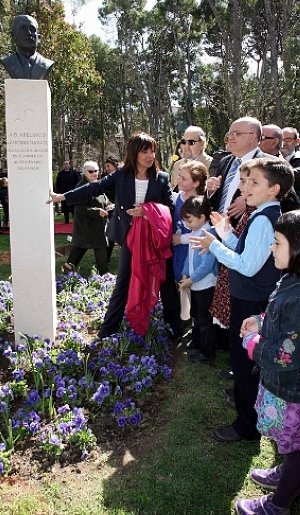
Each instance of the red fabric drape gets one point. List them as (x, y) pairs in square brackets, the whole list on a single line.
[(149, 241)]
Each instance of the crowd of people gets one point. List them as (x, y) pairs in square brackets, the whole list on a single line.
[(216, 217)]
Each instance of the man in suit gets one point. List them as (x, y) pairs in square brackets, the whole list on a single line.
[(67, 179), (26, 63), (291, 142), (243, 142)]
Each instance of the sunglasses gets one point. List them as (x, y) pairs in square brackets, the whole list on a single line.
[(190, 142), (92, 171), (267, 137)]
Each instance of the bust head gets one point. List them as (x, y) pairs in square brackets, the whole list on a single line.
[(26, 63), (25, 34)]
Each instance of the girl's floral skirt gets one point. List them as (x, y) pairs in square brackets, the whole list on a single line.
[(279, 420)]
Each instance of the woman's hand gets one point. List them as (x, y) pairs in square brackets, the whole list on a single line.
[(55, 198), (103, 213), (202, 242), (137, 210), (249, 325)]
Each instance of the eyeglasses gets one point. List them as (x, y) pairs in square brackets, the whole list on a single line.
[(92, 171), (288, 140), (190, 142), (267, 137), (236, 133)]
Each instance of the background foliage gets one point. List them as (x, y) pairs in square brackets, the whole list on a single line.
[(203, 62)]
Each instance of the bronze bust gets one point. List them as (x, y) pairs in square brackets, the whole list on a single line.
[(26, 62)]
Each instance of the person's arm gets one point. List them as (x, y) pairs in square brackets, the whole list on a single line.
[(205, 267), (93, 189), (256, 252), (285, 355)]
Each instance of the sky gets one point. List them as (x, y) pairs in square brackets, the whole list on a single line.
[(87, 20)]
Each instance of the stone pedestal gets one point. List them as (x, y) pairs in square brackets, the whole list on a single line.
[(29, 162)]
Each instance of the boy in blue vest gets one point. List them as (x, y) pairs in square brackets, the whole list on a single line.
[(252, 277)]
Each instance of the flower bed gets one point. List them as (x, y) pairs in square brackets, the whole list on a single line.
[(53, 391)]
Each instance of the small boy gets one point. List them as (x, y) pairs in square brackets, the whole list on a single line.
[(252, 277), (200, 274)]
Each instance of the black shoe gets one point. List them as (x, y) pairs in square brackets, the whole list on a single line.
[(198, 357), (226, 374), (226, 434)]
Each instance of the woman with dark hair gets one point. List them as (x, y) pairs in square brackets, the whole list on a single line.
[(134, 187)]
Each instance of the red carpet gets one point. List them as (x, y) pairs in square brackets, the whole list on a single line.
[(59, 228), (62, 228)]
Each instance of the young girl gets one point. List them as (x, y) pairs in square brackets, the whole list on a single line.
[(192, 180), (200, 275), (273, 342)]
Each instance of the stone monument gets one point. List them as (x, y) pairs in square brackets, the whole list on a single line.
[(29, 160)]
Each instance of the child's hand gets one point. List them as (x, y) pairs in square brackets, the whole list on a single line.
[(202, 242), (185, 283), (221, 224), (249, 325), (176, 239)]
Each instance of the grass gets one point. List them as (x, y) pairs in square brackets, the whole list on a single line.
[(62, 245), (177, 468)]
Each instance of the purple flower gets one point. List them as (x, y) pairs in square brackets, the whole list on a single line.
[(121, 421), (60, 392), (135, 419), (3, 407), (55, 440), (102, 392), (2, 447), (63, 409), (32, 398), (138, 386), (2, 468)]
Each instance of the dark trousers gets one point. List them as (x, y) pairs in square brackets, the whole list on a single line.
[(289, 484), (116, 308), (203, 333), (66, 210), (77, 254), (246, 377)]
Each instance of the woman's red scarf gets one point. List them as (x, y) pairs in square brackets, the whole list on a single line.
[(149, 241)]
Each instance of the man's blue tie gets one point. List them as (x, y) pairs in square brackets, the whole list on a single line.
[(231, 173)]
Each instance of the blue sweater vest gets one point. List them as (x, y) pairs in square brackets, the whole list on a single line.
[(259, 286)]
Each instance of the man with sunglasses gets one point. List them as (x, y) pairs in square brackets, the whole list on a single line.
[(271, 140), (194, 138), (291, 153)]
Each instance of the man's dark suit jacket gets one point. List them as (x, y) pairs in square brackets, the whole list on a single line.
[(295, 163), (289, 203), (40, 69), (224, 167)]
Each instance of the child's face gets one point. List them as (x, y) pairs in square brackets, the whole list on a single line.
[(258, 191), (243, 184), (281, 251), (195, 222), (185, 181)]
